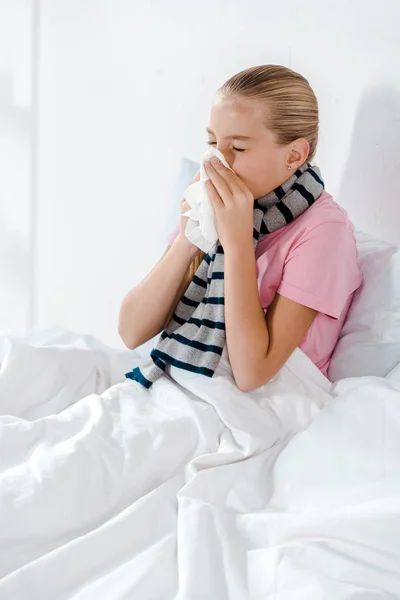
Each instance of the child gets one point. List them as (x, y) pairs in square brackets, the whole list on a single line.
[(286, 255)]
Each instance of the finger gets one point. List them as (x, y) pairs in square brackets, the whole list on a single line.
[(219, 183), (227, 175), (238, 188), (214, 196), (244, 189)]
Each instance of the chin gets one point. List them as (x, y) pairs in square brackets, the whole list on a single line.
[(261, 194), (254, 189)]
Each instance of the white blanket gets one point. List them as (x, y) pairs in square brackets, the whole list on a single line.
[(192, 490)]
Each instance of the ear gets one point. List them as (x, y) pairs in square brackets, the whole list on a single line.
[(298, 152)]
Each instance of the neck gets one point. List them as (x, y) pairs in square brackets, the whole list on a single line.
[(273, 197)]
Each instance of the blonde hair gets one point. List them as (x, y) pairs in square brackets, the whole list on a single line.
[(194, 265), (291, 109)]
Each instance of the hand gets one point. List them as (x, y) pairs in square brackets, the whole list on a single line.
[(233, 204)]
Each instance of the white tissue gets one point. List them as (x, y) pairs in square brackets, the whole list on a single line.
[(200, 228)]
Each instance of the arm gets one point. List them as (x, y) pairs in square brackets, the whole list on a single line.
[(148, 307), (258, 347)]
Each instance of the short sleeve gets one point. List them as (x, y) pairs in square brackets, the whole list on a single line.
[(321, 270), (173, 235)]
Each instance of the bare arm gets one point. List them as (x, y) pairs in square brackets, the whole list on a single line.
[(258, 347), (148, 307)]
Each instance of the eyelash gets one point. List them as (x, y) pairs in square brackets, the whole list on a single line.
[(236, 149)]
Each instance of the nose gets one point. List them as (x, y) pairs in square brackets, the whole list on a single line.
[(228, 155)]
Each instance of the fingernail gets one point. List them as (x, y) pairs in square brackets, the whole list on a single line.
[(215, 160)]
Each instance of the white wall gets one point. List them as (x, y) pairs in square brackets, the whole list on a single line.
[(16, 128), (125, 89)]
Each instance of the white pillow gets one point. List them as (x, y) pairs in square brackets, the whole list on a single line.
[(370, 339)]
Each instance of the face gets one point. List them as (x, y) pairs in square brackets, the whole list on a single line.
[(237, 129)]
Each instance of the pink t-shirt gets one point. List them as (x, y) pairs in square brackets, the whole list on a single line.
[(312, 261)]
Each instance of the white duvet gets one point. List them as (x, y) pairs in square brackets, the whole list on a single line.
[(193, 490)]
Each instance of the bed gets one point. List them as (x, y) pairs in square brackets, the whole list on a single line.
[(194, 490)]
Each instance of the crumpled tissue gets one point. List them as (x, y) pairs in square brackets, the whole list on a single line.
[(201, 227)]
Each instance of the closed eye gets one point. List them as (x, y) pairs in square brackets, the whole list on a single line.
[(235, 149)]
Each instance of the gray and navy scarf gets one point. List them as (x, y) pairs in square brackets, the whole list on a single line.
[(195, 336)]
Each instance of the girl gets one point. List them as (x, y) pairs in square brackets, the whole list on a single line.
[(288, 259)]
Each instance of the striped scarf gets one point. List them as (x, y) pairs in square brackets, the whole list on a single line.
[(195, 336)]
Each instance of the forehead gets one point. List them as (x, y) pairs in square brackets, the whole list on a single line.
[(236, 117)]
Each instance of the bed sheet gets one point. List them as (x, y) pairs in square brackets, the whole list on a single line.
[(192, 490)]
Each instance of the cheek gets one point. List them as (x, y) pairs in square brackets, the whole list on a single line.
[(245, 166), (261, 173), (255, 173)]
